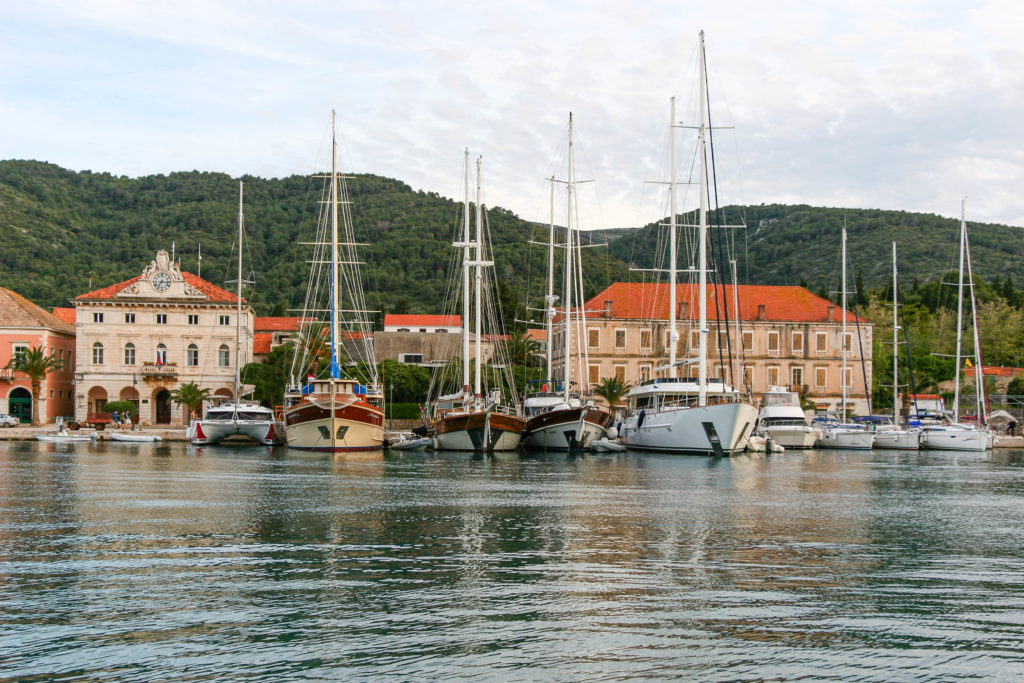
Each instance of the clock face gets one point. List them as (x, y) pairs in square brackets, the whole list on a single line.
[(161, 281)]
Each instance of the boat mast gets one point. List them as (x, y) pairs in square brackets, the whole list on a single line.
[(895, 344), (673, 331), (842, 341), (549, 312), (959, 312), (702, 236), (238, 309), (465, 280), (736, 325), (567, 276), (979, 374), (335, 368), (478, 277)]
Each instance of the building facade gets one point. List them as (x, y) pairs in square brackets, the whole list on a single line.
[(141, 339), (786, 336), (24, 325)]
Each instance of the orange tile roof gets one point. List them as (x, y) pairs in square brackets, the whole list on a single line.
[(635, 300), (537, 334), (276, 323), (65, 314), (212, 291), (422, 320), (261, 342), (17, 311)]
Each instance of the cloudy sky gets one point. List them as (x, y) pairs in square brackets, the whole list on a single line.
[(896, 105)]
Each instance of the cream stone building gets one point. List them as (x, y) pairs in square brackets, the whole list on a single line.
[(141, 339), (788, 336)]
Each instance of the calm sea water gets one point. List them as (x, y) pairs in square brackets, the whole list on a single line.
[(164, 562)]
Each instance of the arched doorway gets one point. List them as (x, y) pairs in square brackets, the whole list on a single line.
[(162, 403), (97, 400), (131, 394), (19, 404)]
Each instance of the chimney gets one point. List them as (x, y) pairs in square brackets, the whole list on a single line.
[(831, 314), (761, 315), (684, 310), (608, 308)]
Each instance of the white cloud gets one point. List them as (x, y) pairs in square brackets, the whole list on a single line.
[(905, 106)]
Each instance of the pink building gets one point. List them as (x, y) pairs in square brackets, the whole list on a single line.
[(24, 325)]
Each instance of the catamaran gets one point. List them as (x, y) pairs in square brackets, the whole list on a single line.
[(334, 413), (236, 417), (672, 414)]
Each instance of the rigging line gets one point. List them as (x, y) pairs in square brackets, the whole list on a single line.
[(860, 348), (906, 339)]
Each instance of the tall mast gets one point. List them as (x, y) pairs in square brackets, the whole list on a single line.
[(549, 312), (335, 369), (959, 311), (465, 281), (673, 331), (567, 276), (702, 236), (842, 341), (478, 276), (895, 344), (979, 374), (736, 325), (238, 308)]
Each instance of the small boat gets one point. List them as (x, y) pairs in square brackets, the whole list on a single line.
[(782, 419), (409, 442), (765, 444), (606, 445), (64, 436), (134, 437)]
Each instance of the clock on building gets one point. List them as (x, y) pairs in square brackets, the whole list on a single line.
[(161, 281)]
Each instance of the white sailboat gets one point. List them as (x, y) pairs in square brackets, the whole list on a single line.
[(672, 414), (469, 420), (235, 417), (565, 420), (896, 437), (840, 434), (334, 413), (958, 436)]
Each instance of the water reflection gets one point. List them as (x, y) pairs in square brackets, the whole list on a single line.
[(169, 562)]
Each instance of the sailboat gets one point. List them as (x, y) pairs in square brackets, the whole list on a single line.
[(468, 420), (334, 413), (896, 437), (564, 420), (672, 414), (838, 433), (957, 436), (236, 417)]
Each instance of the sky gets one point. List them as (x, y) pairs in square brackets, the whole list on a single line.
[(895, 105)]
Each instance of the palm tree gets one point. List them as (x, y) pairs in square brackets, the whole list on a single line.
[(612, 389), (37, 365), (190, 396)]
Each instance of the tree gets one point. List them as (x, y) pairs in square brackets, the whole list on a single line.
[(1015, 387), (611, 389), (270, 377), (37, 365), (192, 397)]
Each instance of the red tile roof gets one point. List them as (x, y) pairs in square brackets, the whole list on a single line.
[(634, 300), (212, 291), (261, 342), (17, 311), (276, 324), (537, 334), (422, 320), (65, 314)]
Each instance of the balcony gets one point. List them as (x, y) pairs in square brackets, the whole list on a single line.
[(164, 370)]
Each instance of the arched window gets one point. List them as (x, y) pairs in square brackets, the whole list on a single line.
[(192, 355), (129, 354), (97, 353), (224, 356), (161, 354)]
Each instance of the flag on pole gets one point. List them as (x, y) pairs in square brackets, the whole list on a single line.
[(968, 362), (310, 378)]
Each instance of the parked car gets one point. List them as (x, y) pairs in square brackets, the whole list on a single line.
[(8, 421)]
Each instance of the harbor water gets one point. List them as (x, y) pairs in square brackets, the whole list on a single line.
[(159, 562)]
